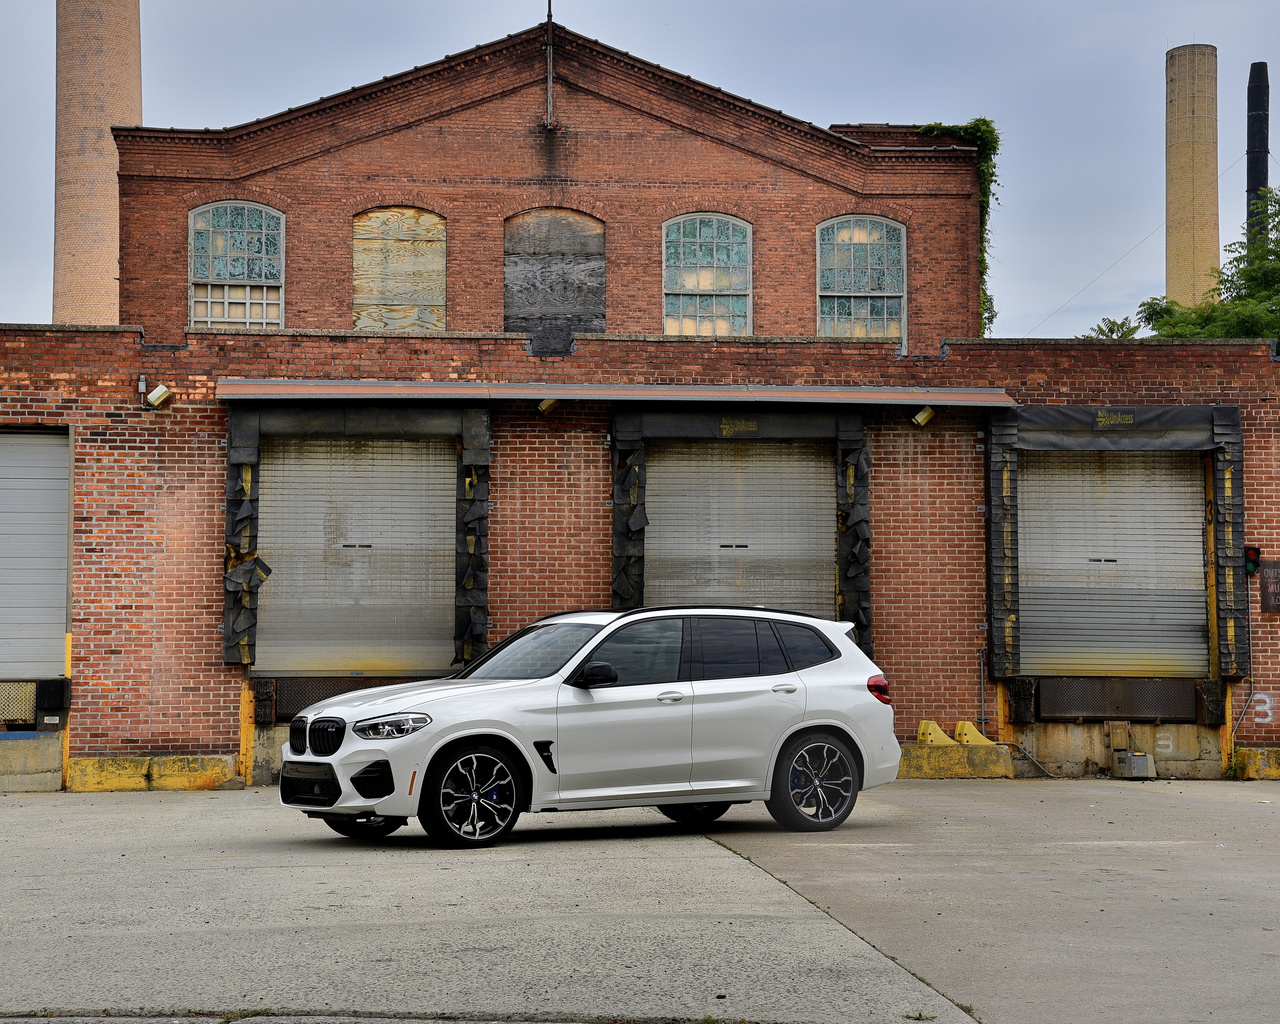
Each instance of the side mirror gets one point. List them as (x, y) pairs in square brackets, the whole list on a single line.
[(597, 673)]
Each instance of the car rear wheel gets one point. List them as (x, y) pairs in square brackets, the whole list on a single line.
[(815, 783), (376, 827), (694, 814), (472, 797)]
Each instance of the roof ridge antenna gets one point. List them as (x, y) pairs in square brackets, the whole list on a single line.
[(549, 125)]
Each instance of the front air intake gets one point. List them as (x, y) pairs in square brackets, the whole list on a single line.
[(298, 736), (326, 736)]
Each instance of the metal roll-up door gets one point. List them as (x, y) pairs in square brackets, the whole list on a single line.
[(741, 523), (34, 502), (1111, 564), (359, 535)]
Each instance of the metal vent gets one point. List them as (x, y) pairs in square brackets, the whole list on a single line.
[(326, 736), (298, 736), (1171, 700)]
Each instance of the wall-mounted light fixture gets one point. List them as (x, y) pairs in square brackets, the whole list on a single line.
[(922, 417), (157, 396), (548, 405)]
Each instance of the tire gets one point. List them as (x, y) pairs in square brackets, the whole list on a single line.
[(694, 814), (815, 783), (376, 827), (472, 797)]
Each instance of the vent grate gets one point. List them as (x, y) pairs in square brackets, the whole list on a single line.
[(298, 735), (326, 735)]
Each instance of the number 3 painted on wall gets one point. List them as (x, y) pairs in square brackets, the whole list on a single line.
[(1262, 705)]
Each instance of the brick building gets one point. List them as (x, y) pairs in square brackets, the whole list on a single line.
[(545, 326)]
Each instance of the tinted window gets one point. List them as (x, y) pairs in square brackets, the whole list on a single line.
[(644, 652), (728, 648), (772, 660), (804, 645)]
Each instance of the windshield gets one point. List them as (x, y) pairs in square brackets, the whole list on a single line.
[(533, 652)]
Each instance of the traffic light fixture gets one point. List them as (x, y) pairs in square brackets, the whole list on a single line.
[(1252, 559)]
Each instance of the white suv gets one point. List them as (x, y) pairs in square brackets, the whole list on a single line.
[(691, 709)]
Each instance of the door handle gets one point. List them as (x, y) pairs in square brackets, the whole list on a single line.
[(670, 697), (785, 688)]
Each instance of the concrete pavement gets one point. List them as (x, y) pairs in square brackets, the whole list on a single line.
[(155, 903), (1043, 902)]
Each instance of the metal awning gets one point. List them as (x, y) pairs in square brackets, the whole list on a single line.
[(240, 389)]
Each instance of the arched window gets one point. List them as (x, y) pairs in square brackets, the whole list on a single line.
[(553, 277), (706, 275), (861, 278), (398, 270), (236, 266)]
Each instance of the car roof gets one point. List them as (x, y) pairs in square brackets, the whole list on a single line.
[(603, 616)]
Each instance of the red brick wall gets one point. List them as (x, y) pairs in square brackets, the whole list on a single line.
[(148, 520), (629, 151)]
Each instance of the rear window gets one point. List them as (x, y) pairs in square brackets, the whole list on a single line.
[(806, 647)]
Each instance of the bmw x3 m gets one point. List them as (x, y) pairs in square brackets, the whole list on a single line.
[(687, 709)]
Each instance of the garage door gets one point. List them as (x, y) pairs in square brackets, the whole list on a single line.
[(34, 497), (1111, 564), (359, 535), (741, 523)]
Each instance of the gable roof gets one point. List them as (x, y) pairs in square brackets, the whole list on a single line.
[(457, 82)]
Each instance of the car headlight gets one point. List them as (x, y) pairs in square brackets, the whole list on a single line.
[(392, 727)]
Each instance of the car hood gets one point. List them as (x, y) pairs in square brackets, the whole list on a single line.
[(415, 696)]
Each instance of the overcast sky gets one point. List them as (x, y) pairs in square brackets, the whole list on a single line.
[(1076, 91)]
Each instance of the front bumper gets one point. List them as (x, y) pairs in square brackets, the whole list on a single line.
[(367, 779)]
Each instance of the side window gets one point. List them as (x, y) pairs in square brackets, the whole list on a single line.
[(235, 269), (644, 652), (706, 275), (729, 648), (861, 278), (772, 661), (397, 255), (804, 645)]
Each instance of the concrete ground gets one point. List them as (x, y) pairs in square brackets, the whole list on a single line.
[(161, 903), (1032, 902), (1052, 901)]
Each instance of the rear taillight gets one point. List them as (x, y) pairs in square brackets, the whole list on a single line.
[(879, 687)]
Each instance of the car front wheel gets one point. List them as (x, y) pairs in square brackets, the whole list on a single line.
[(815, 783), (472, 797)]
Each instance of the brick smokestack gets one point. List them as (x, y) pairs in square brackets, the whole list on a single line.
[(99, 80), (1191, 247)]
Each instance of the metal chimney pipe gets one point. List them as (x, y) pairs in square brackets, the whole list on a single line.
[(1256, 148)]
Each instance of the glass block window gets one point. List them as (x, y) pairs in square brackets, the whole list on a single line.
[(861, 278), (236, 269), (706, 275)]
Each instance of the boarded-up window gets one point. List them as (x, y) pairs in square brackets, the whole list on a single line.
[(398, 254), (554, 280)]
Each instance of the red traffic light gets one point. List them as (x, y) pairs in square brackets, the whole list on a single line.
[(1252, 559)]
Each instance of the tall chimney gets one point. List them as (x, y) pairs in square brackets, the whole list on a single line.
[(1191, 248), (1256, 147), (99, 84)]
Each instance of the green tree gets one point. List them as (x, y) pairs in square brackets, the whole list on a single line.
[(1247, 293), (1109, 328)]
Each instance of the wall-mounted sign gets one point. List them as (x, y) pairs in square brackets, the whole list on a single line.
[(1269, 577), (739, 426), (1113, 418)]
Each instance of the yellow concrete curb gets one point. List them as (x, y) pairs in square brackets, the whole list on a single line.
[(958, 761), (1259, 762), (167, 772)]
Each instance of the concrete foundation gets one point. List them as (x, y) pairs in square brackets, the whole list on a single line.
[(1065, 748), (32, 764), (955, 761), (162, 771)]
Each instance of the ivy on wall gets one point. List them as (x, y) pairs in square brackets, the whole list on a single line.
[(979, 132)]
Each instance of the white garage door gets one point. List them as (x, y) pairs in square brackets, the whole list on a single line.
[(741, 523), (34, 499), (1111, 564), (359, 535)]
